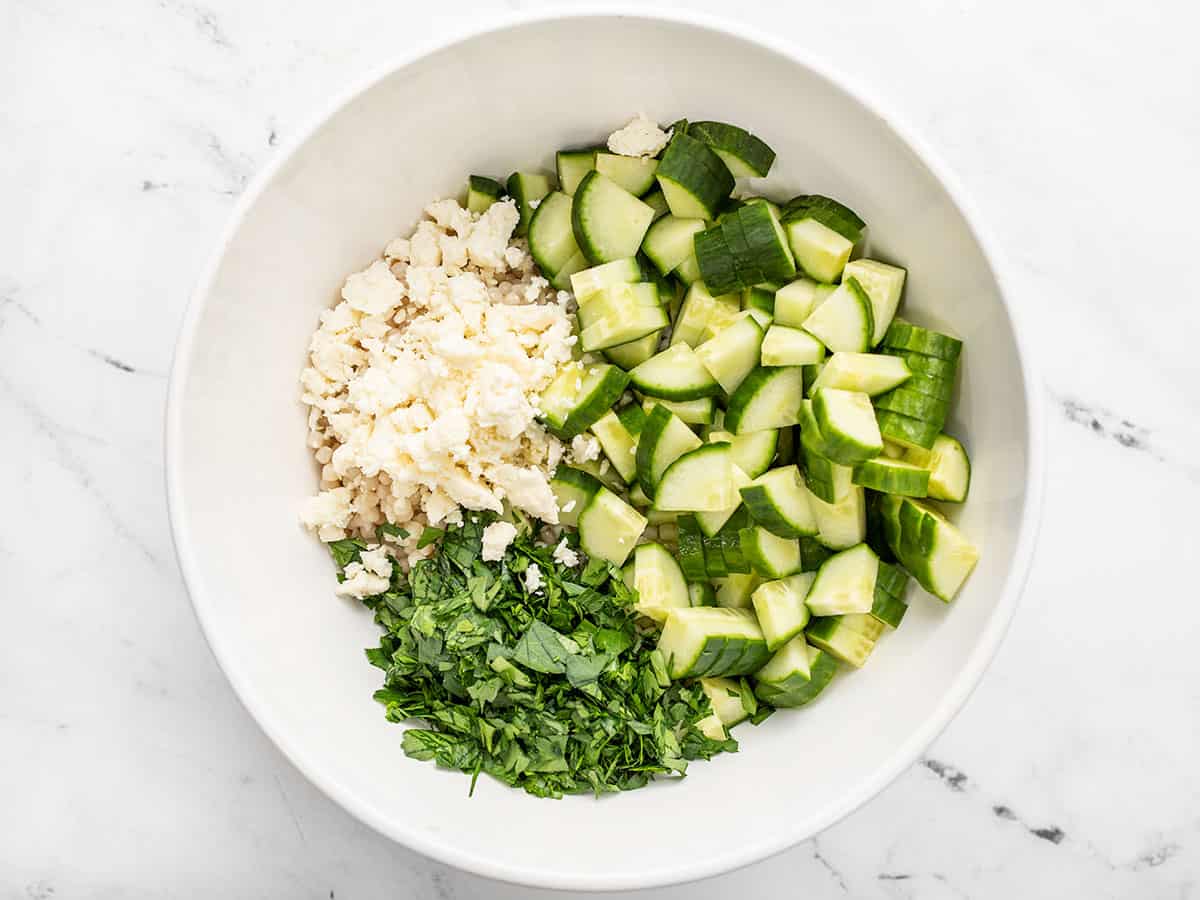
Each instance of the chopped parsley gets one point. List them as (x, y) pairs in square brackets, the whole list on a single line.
[(557, 692)]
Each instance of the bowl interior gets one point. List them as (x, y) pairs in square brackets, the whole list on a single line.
[(238, 466)]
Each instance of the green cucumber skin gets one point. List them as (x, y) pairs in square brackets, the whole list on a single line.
[(938, 388), (582, 226), (906, 336), (716, 262), (915, 405), (891, 579), (828, 212), (744, 261), (539, 186), (751, 151), (928, 366), (905, 482), (741, 400), (767, 243), (906, 430), (571, 166), (812, 554), (888, 609), (693, 165), (482, 192), (714, 559), (691, 549), (797, 691)]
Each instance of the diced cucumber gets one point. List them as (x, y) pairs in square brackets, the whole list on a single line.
[(762, 298), (928, 545), (846, 419), (596, 278), (778, 502), (657, 202), (633, 354), (829, 212), (865, 624), (662, 518), (633, 418), (482, 192), (820, 252), (787, 346), (561, 280), (779, 606), (572, 490), (609, 527), (638, 498), (579, 396), (870, 373), (714, 558), (768, 554), (845, 583), (905, 430), (691, 550), (845, 320), (663, 440), (767, 398), (941, 388), (634, 173), (915, 405), (752, 452), (688, 271), (571, 166), (825, 478), (725, 311), (551, 241), (729, 540), (615, 301), (603, 471), (949, 469), (659, 581), (892, 476), (701, 593), (889, 608), (797, 300), (892, 580), (618, 445), (712, 522), (731, 354), (725, 695), (927, 366), (786, 454), (698, 307), (629, 321), (676, 373), (716, 260), (608, 221), (527, 189), (812, 554), (693, 412), (693, 178), (839, 640), (842, 524), (701, 479), (735, 591), (706, 640), (795, 675), (668, 242), (903, 335), (884, 284), (767, 243), (743, 154)]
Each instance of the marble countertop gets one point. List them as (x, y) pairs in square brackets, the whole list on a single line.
[(127, 766)]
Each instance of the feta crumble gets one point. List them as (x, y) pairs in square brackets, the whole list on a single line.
[(640, 137), (423, 381), (496, 538), (564, 555), (533, 578)]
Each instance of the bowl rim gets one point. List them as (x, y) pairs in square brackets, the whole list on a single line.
[(746, 852)]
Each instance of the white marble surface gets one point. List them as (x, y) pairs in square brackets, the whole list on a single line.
[(127, 767)]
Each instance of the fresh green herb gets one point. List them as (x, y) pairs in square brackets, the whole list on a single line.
[(429, 536), (387, 528), (346, 551), (558, 692)]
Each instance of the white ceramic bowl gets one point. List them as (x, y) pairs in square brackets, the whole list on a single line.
[(237, 467)]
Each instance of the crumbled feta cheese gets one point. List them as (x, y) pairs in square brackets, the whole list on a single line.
[(584, 448), (533, 578), (496, 538), (640, 137), (422, 383), (361, 582), (564, 555), (375, 560)]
